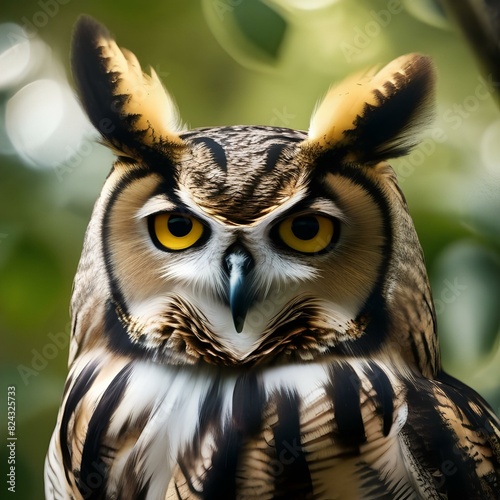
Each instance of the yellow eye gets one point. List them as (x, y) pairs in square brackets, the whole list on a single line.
[(307, 233), (176, 231)]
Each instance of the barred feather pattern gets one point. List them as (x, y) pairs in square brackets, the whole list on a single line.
[(349, 428)]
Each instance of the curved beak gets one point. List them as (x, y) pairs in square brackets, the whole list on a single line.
[(238, 263)]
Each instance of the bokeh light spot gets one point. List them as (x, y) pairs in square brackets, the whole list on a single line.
[(15, 54), (45, 123), (32, 116), (490, 147)]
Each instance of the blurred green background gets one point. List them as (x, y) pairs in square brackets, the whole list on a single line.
[(230, 62)]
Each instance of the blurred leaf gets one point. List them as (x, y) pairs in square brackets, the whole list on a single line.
[(466, 287), (262, 25), (428, 11), (252, 32)]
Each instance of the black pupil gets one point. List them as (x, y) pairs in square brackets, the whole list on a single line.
[(179, 226), (305, 228)]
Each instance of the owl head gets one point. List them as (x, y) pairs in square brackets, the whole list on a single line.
[(246, 245)]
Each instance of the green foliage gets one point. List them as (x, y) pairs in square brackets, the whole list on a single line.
[(261, 25)]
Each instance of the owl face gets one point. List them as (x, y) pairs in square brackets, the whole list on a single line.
[(239, 245), (243, 262)]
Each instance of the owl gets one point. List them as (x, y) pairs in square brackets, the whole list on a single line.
[(251, 315)]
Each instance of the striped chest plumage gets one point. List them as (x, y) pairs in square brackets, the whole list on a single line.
[(251, 313), (319, 428), (336, 429)]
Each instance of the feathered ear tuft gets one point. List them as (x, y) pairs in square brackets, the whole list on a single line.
[(376, 115), (128, 107)]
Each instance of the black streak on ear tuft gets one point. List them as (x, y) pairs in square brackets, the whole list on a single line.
[(95, 85), (130, 109), (387, 129), (376, 115)]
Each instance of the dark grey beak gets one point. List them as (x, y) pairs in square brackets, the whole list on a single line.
[(238, 263)]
